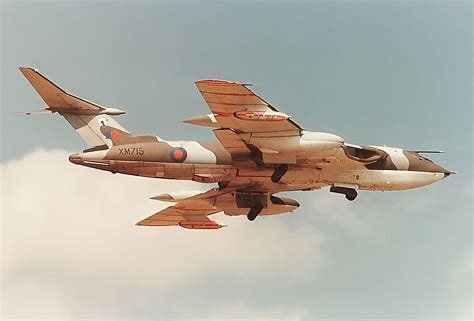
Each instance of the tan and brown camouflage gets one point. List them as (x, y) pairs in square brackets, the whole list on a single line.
[(259, 152)]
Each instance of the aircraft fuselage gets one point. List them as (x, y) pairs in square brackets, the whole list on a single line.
[(336, 164)]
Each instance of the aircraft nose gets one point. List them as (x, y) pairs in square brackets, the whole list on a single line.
[(443, 170), (448, 173), (422, 164)]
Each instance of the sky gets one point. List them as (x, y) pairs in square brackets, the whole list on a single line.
[(395, 73)]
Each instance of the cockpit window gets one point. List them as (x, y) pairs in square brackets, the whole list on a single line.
[(363, 154)]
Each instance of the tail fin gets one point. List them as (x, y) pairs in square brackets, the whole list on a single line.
[(84, 116)]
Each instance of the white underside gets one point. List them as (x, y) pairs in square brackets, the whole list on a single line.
[(383, 180)]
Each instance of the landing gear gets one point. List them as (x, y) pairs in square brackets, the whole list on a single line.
[(350, 193), (280, 170), (254, 211)]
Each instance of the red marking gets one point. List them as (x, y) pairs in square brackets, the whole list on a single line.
[(184, 208), (178, 154), (114, 135), (226, 94), (216, 82), (235, 104), (260, 116), (197, 225)]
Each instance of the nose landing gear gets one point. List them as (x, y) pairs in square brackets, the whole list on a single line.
[(350, 193)]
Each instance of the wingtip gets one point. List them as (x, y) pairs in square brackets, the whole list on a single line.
[(25, 68), (36, 111), (215, 82)]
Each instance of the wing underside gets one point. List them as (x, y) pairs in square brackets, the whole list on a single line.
[(190, 214), (191, 211)]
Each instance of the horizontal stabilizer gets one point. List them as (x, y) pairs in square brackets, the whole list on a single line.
[(59, 100), (85, 117), (34, 112)]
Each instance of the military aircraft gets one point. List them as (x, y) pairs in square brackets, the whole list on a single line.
[(260, 152)]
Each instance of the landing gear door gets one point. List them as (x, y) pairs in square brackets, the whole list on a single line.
[(301, 175), (250, 199)]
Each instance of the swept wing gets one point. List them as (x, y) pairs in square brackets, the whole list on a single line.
[(190, 211), (247, 126), (189, 214), (235, 106)]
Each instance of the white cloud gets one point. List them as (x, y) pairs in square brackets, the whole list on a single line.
[(239, 309), (70, 247), (70, 250)]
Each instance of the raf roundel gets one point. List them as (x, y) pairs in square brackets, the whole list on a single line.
[(112, 134), (178, 155)]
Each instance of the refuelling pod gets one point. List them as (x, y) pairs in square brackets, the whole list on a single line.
[(259, 120)]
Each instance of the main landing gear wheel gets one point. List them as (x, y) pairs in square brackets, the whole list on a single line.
[(254, 211), (351, 195)]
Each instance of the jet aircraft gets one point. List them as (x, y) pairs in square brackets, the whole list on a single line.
[(259, 152)]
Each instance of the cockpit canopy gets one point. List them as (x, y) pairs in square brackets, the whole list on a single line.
[(363, 154)]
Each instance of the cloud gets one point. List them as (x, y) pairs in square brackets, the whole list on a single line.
[(70, 248)]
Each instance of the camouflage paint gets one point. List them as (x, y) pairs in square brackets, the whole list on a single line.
[(255, 142)]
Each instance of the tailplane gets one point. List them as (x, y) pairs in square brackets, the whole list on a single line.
[(87, 118)]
